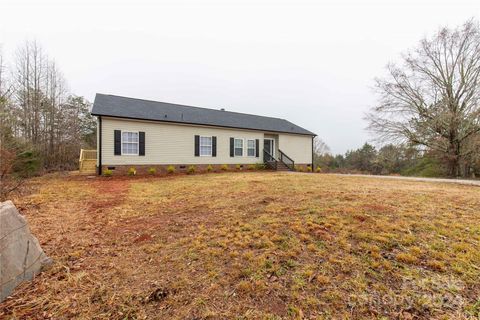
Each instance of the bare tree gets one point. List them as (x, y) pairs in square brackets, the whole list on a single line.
[(29, 73), (55, 96), (3, 101), (320, 151), (7, 152), (2, 75), (5, 92), (7, 112), (432, 98), (320, 148)]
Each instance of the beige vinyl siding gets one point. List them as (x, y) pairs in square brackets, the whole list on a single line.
[(297, 147), (174, 143)]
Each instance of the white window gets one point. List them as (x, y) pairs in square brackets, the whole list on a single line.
[(206, 146), (251, 148), (238, 147), (129, 143)]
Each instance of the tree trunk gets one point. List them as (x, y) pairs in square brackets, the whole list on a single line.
[(454, 160)]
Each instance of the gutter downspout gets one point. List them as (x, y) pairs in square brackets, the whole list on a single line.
[(99, 145), (313, 169)]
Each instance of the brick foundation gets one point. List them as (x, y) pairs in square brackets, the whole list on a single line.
[(119, 170), (162, 169)]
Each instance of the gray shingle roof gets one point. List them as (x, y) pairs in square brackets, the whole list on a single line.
[(123, 107)]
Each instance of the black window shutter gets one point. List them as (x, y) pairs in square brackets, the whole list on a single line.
[(197, 146), (141, 143), (232, 142), (117, 142), (214, 146), (257, 143)]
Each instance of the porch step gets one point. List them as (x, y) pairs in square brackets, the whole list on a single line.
[(88, 166), (282, 167)]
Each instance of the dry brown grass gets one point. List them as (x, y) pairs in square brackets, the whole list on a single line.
[(252, 246)]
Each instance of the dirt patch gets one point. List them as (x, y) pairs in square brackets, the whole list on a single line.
[(109, 193), (143, 238)]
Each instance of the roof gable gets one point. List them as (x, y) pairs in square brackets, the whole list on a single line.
[(123, 107)]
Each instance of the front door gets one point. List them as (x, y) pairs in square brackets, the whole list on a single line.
[(269, 146)]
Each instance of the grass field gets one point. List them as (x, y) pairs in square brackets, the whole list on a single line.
[(252, 246)]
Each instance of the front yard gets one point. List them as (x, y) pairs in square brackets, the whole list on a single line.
[(252, 246)]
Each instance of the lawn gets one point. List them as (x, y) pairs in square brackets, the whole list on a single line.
[(252, 246)]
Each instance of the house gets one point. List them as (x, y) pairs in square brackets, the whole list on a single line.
[(143, 134)]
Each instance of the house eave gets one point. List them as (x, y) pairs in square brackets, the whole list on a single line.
[(202, 124)]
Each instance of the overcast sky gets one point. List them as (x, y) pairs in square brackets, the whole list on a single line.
[(311, 62)]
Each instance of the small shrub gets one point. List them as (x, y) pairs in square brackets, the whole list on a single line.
[(260, 166), (238, 167), (107, 173), (224, 167), (318, 169), (132, 171), (209, 168), (299, 168), (309, 169), (152, 171), (170, 169), (191, 170), (251, 167)]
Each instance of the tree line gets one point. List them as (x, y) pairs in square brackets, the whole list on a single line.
[(389, 159), (43, 124)]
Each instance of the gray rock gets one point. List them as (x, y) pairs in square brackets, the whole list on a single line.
[(21, 257)]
